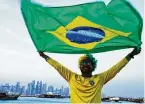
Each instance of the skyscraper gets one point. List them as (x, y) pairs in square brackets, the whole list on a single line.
[(40, 86), (37, 87), (2, 88), (44, 88), (17, 90), (50, 89), (56, 91), (33, 87), (61, 90), (23, 90), (12, 88), (29, 89), (66, 91)]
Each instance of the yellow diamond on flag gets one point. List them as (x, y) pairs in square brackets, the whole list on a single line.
[(79, 21)]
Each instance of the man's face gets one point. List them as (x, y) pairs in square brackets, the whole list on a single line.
[(86, 66)]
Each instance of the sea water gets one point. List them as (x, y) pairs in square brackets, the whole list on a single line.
[(34, 100)]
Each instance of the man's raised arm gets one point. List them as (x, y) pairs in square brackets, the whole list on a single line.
[(111, 73), (63, 71)]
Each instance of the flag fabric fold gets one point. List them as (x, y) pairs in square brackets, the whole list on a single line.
[(85, 28)]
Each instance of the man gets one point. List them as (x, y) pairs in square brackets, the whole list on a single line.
[(86, 88)]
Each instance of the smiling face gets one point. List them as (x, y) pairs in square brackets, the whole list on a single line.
[(86, 66)]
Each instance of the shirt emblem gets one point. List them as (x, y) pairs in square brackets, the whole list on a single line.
[(91, 82)]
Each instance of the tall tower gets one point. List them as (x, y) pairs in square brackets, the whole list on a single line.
[(33, 88), (37, 87), (17, 87), (62, 90), (44, 88), (50, 89)]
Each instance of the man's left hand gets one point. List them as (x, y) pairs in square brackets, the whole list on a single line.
[(135, 52)]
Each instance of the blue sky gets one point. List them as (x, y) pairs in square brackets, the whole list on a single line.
[(21, 62)]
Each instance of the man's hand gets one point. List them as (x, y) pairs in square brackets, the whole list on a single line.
[(135, 52), (43, 55)]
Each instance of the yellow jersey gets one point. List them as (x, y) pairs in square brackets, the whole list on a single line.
[(86, 90)]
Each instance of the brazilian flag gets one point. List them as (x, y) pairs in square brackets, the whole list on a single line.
[(85, 28)]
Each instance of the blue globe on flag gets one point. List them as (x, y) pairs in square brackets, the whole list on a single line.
[(84, 35)]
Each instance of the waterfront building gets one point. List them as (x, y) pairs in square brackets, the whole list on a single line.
[(44, 88), (66, 91), (17, 87), (50, 89), (33, 88)]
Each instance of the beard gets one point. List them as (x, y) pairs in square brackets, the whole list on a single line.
[(86, 70)]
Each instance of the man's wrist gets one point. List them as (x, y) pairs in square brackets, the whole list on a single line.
[(129, 57), (46, 58)]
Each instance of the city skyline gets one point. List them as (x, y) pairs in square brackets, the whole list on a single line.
[(34, 88), (21, 61)]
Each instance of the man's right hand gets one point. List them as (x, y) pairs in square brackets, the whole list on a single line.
[(43, 55)]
